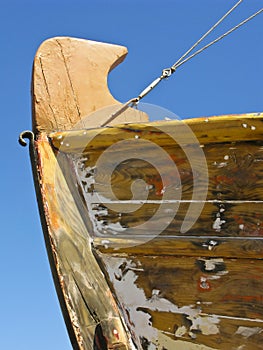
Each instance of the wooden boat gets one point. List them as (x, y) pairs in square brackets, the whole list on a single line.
[(153, 229)]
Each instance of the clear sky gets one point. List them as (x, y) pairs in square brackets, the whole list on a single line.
[(226, 79)]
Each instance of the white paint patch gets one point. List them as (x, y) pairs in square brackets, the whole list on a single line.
[(241, 347), (87, 181), (132, 299), (115, 228), (105, 243), (180, 332), (218, 223), (210, 264), (248, 331), (207, 325), (211, 244), (155, 292), (222, 165)]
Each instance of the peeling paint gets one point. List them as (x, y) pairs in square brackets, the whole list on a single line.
[(181, 331), (218, 223), (133, 299), (171, 344), (248, 331), (87, 181), (210, 264)]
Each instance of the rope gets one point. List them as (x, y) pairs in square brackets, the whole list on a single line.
[(167, 72)]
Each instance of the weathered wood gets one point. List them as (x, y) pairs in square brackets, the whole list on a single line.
[(87, 296), (70, 83), (228, 128), (242, 248), (198, 289), (234, 171), (231, 206), (212, 302), (239, 219)]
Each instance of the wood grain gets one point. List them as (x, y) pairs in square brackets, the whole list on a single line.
[(199, 289), (234, 171), (227, 128), (210, 301), (89, 302), (231, 206), (70, 83), (242, 248)]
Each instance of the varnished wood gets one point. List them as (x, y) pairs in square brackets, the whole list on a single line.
[(226, 301), (195, 300), (207, 246), (228, 128), (233, 197), (194, 290), (87, 296)]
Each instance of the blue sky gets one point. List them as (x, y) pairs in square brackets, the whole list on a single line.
[(227, 78)]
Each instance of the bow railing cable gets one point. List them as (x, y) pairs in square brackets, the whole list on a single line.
[(167, 72)]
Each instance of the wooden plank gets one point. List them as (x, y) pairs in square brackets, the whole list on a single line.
[(230, 208), (242, 248), (234, 171), (92, 310), (201, 131), (211, 302), (242, 219)]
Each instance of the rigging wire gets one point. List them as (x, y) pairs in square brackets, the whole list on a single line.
[(217, 39), (167, 72), (207, 33)]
